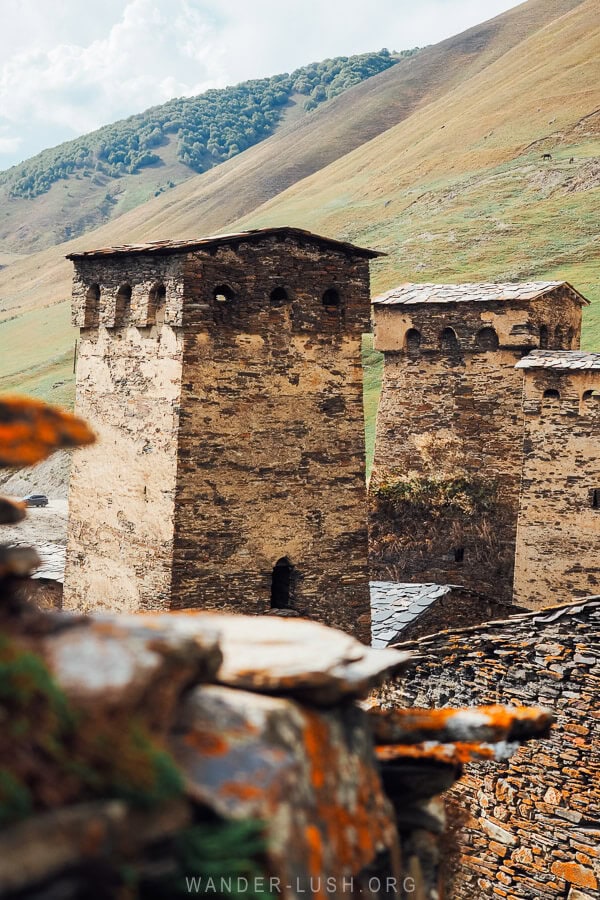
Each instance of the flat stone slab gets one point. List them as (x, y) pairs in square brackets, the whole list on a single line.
[(106, 662), (283, 656)]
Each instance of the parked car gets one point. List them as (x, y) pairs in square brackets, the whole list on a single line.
[(35, 500)]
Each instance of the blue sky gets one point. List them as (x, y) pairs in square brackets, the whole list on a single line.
[(68, 66)]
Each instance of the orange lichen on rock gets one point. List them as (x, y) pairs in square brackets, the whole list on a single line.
[(460, 752), (480, 724), (206, 743), (31, 430), (575, 874)]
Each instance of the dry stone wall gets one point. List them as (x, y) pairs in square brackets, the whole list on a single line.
[(559, 517), (450, 430), (533, 823)]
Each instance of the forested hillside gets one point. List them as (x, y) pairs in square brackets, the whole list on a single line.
[(67, 190), (209, 128)]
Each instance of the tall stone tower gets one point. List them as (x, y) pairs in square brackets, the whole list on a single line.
[(445, 483), (558, 536), (224, 380)]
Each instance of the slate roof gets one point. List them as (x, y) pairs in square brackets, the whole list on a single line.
[(217, 240), (560, 359), (52, 556), (410, 294), (394, 605)]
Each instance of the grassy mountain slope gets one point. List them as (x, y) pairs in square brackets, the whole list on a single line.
[(67, 190), (459, 190), (427, 189)]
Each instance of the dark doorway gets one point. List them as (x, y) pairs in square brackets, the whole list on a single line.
[(281, 584)]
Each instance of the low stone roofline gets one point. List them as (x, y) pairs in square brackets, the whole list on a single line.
[(412, 294), (164, 248), (569, 360), (590, 605)]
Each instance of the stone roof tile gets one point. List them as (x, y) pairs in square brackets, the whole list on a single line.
[(409, 294), (560, 359), (394, 605)]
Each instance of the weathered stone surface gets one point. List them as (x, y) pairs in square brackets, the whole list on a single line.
[(274, 655), (80, 836), (18, 561), (559, 518), (11, 511), (453, 410), (306, 773), (122, 665), (238, 422), (547, 794)]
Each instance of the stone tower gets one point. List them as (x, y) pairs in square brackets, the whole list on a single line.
[(558, 536), (224, 380), (445, 483)]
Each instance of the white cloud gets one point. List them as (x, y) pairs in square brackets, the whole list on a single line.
[(63, 73), (9, 144)]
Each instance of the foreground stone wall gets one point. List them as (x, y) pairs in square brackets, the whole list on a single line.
[(533, 822), (559, 518), (121, 498), (271, 447), (450, 426)]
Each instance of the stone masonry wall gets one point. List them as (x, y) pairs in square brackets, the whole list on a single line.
[(121, 503), (271, 448), (558, 536), (534, 821), (450, 423)]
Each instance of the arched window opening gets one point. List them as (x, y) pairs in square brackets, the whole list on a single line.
[(590, 400), (223, 294), (331, 299), (223, 304), (487, 339), (412, 341), (459, 554), (543, 337), (570, 338), (157, 300), (278, 296), (595, 498), (558, 338), (449, 341), (281, 584), (123, 304), (91, 316)]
